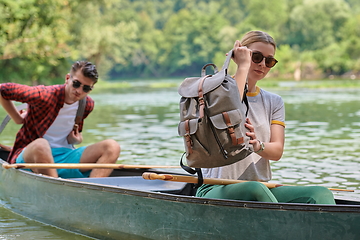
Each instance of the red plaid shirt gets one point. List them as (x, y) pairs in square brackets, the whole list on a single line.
[(44, 104)]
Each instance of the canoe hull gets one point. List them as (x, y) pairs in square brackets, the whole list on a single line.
[(107, 212)]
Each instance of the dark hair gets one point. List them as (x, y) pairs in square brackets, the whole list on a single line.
[(87, 69)]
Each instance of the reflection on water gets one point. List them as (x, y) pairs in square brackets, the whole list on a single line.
[(16, 227), (322, 136), (322, 140), (145, 124)]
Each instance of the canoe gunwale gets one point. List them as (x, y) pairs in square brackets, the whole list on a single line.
[(190, 199)]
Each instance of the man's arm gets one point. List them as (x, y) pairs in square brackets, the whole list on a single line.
[(11, 110)]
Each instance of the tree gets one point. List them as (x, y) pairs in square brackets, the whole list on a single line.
[(269, 16), (144, 60), (107, 36), (33, 36), (349, 34), (315, 23), (193, 38)]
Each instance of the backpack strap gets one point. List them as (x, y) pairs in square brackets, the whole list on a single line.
[(192, 171), (201, 96), (227, 60), (187, 136), (245, 100), (235, 141), (80, 111)]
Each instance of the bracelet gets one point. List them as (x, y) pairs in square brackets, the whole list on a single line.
[(262, 146)]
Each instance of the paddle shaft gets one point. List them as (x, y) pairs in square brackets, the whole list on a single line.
[(190, 179), (79, 166), (212, 181)]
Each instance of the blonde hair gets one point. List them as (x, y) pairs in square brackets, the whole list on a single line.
[(257, 36)]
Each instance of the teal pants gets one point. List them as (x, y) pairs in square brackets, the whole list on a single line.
[(256, 191)]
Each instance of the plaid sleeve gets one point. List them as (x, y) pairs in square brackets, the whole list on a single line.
[(14, 91), (23, 93)]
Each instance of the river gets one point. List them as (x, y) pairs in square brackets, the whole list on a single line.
[(322, 141)]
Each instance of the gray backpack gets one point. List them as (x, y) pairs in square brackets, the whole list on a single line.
[(212, 118)]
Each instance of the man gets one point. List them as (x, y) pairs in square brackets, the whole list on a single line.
[(49, 131)]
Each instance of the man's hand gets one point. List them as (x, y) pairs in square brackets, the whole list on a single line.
[(75, 137), (23, 113)]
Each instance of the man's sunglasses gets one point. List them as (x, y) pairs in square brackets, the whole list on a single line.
[(77, 84), (257, 57)]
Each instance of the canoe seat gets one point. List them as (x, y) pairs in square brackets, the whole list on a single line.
[(137, 183)]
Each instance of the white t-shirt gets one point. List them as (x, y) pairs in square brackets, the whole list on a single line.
[(62, 126), (265, 108)]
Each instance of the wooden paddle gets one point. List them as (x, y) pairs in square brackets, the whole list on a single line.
[(190, 179), (79, 166), (213, 181)]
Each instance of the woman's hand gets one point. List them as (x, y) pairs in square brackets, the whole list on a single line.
[(253, 140), (273, 150), (241, 56)]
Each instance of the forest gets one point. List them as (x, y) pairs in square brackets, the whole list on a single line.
[(140, 39)]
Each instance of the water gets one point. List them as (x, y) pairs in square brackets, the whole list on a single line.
[(16, 227), (322, 142)]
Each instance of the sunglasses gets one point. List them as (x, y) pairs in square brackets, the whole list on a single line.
[(257, 57), (77, 84)]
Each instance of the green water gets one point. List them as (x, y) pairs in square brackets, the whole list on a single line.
[(322, 141)]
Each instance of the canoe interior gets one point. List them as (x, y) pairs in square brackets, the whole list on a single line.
[(3, 154), (138, 183), (131, 179)]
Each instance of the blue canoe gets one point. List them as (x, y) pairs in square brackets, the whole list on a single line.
[(125, 206)]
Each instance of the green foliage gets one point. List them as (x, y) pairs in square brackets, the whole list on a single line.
[(39, 39), (107, 36), (33, 38), (315, 23), (269, 16), (193, 39), (288, 60), (354, 5), (350, 41), (333, 59)]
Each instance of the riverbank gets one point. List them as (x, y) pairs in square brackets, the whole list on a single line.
[(124, 85)]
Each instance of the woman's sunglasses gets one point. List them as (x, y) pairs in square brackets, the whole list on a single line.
[(77, 84), (257, 57)]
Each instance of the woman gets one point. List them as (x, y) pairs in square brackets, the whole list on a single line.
[(254, 56)]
